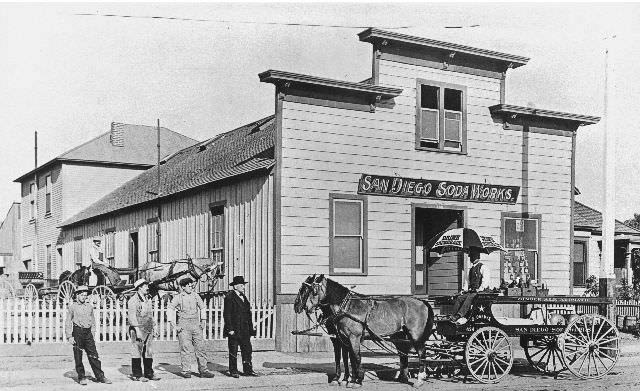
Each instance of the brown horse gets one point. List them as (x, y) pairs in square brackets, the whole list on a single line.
[(407, 321), (326, 319), (166, 276)]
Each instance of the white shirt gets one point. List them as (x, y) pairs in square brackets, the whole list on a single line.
[(94, 254)]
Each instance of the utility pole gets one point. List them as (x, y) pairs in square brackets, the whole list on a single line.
[(35, 203), (607, 275), (158, 196)]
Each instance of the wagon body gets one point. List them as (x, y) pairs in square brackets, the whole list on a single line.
[(587, 345)]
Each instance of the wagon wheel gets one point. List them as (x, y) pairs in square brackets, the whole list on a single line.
[(543, 353), (590, 346), (65, 291), (488, 355), (6, 289), (30, 292), (101, 293)]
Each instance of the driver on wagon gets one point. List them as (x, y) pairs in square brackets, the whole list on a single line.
[(479, 280)]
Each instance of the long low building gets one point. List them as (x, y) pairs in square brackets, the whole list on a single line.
[(354, 179)]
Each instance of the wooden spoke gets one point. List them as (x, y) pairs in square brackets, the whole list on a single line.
[(65, 291), (590, 347), (543, 353), (488, 355), (30, 292)]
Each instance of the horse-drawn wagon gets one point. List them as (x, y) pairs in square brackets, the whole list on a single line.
[(105, 282), (587, 345), (27, 285)]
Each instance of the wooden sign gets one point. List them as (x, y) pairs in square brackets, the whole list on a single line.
[(437, 190)]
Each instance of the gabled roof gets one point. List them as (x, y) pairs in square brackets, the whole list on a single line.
[(139, 148), (245, 149), (589, 219)]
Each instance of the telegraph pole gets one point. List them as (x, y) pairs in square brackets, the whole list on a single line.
[(158, 196), (607, 276)]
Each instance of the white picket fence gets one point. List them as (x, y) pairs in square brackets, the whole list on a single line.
[(43, 321)]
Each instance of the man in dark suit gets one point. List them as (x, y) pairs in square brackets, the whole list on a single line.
[(238, 328)]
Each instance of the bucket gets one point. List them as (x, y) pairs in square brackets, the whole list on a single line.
[(630, 322), (620, 322)]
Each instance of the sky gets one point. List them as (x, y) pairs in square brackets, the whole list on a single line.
[(68, 76)]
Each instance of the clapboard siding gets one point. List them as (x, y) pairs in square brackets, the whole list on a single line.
[(325, 150), (185, 232)]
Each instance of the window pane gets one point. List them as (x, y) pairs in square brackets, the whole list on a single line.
[(452, 100), (452, 122), (429, 124), (429, 97), (579, 265), (346, 252), (348, 218)]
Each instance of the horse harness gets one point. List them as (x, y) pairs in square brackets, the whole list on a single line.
[(341, 312)]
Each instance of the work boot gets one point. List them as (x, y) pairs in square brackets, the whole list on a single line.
[(247, 370), (104, 380), (141, 378), (185, 374), (83, 382), (206, 373), (234, 374)]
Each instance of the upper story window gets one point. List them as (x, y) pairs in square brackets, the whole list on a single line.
[(32, 202), (47, 207), (216, 234), (441, 117), (152, 240)]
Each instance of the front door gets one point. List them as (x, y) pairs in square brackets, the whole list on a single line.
[(436, 274)]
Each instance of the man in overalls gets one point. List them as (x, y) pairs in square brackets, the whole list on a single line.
[(79, 331), (479, 280), (142, 330), (189, 309)]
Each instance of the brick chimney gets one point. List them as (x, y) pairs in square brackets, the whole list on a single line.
[(117, 134)]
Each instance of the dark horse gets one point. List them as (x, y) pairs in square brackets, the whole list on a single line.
[(340, 344), (406, 321)]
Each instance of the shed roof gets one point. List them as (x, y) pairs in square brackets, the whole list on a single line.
[(373, 34), (138, 149), (589, 219), (245, 149)]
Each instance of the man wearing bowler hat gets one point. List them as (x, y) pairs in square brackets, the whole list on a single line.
[(238, 328), (142, 330), (79, 331)]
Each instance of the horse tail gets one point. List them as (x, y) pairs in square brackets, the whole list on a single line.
[(428, 328)]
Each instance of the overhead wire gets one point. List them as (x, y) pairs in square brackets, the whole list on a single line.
[(174, 18)]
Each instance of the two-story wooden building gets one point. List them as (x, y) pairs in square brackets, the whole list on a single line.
[(354, 179), (65, 185)]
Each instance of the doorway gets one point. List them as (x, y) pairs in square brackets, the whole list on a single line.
[(434, 274)]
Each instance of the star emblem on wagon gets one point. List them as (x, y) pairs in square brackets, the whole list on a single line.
[(481, 309)]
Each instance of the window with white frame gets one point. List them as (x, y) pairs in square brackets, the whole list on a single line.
[(579, 263), (441, 116), (47, 207), (110, 247), (216, 234), (348, 234), (522, 242), (32, 202), (49, 260), (152, 240)]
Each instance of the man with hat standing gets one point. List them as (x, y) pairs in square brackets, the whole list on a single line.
[(142, 325), (238, 328), (79, 331), (188, 308)]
